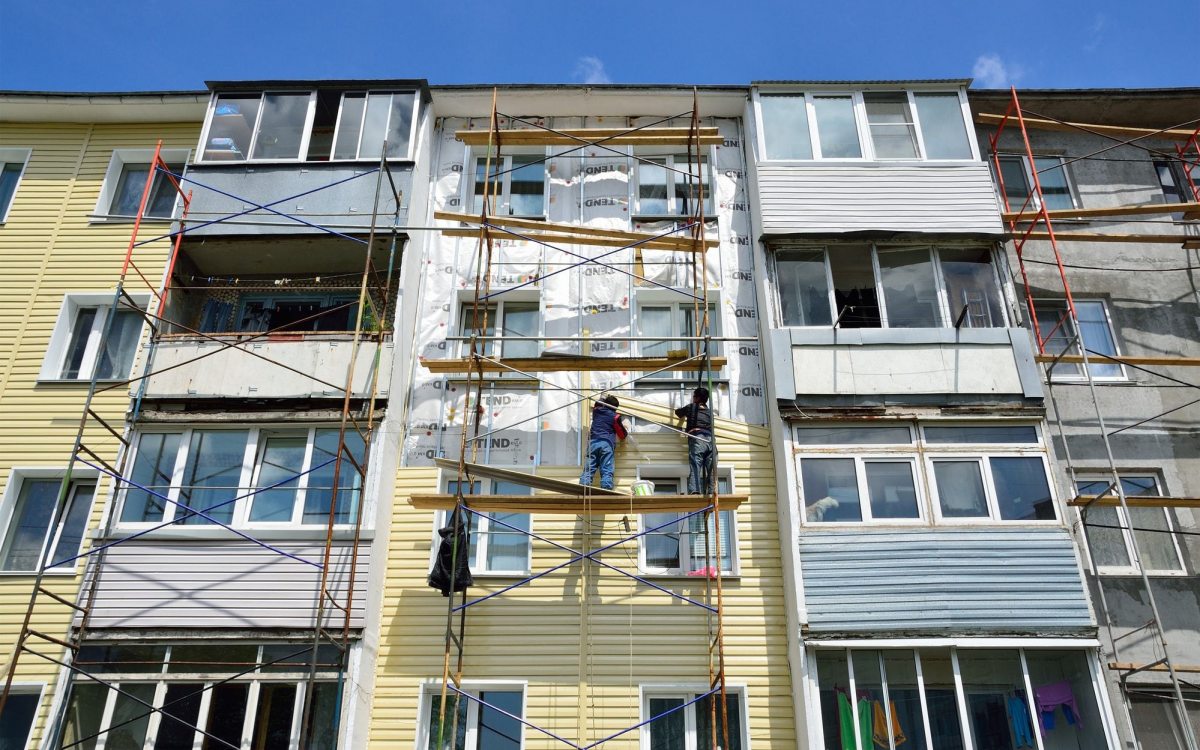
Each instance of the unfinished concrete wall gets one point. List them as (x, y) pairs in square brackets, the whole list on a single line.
[(1151, 293)]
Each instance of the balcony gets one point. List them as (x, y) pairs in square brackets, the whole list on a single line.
[(312, 365), (237, 331)]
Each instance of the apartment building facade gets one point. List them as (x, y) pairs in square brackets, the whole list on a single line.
[(903, 559), (73, 170), (1133, 298), (593, 651), (938, 596)]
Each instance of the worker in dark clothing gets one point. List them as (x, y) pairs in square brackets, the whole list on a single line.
[(698, 425), (607, 428)]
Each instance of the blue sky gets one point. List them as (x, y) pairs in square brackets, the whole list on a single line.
[(82, 45)]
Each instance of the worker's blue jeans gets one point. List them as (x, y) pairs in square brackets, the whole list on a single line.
[(599, 456), (700, 455)]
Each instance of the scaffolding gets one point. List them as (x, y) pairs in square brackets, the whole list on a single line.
[(333, 599), (1023, 223), (688, 236)]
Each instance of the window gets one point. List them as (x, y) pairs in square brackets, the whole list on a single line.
[(261, 709), (20, 711), (297, 313), (670, 185), (879, 473), (920, 286), (874, 125), (269, 126), (683, 720), (1158, 718), (785, 121), (1058, 333), (500, 542), (482, 722), (125, 181), (665, 319), (1111, 534), (518, 319), (931, 697), (1052, 174), (28, 533), (366, 119), (12, 166), (76, 348), (259, 476), (518, 185), (893, 129), (676, 546)]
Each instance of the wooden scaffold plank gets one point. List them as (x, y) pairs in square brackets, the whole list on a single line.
[(1189, 211), (1117, 131), (568, 233), (576, 503), (572, 363), (1139, 501)]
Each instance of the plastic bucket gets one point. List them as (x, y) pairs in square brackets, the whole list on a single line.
[(643, 487)]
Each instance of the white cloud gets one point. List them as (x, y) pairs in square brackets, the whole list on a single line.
[(991, 72), (1095, 32), (589, 69)]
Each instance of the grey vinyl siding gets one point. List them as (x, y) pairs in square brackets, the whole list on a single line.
[(972, 581), (799, 199), (221, 584)]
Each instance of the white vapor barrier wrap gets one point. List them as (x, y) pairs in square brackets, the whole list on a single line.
[(536, 288)]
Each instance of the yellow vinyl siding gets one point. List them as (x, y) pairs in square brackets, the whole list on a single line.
[(50, 247), (633, 635)]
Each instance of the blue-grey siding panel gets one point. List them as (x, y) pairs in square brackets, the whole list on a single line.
[(346, 204), (994, 580), (181, 584), (826, 198)]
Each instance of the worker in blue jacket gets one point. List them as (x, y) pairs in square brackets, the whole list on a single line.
[(607, 428)]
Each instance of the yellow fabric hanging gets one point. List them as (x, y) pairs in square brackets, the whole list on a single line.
[(880, 733)]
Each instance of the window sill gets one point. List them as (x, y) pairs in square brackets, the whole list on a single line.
[(63, 382), (296, 162), (681, 577), (105, 219), (28, 573), (817, 163), (500, 575), (197, 533)]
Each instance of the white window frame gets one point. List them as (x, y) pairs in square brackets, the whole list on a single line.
[(305, 136), (431, 688), (861, 458), (1127, 532), (1027, 170), (678, 473), (248, 478), (983, 458), (1061, 374), (164, 678), (503, 199), (14, 156), (866, 144), (122, 157), (17, 477), (923, 453), (478, 564), (946, 313), (658, 297), (412, 135), (30, 688), (462, 317), (1024, 647), (64, 327), (687, 691), (673, 187)]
